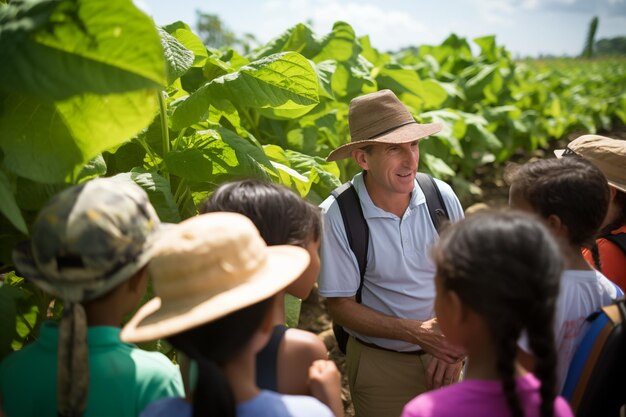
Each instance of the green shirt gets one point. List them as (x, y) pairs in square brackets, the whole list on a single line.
[(123, 379)]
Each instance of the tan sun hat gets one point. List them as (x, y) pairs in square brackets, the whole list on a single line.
[(207, 267), (609, 155), (381, 117)]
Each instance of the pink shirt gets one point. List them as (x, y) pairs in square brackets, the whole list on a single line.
[(475, 397)]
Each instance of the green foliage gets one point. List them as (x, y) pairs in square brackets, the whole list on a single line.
[(79, 99)]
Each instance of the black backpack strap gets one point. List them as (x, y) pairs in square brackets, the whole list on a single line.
[(436, 207), (356, 227), (618, 240)]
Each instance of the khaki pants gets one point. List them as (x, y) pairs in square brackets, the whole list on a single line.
[(382, 382)]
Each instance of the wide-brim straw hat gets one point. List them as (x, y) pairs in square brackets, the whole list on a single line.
[(608, 154), (207, 267), (381, 117)]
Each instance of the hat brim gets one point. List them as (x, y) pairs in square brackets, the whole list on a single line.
[(403, 134), (86, 290), (156, 319), (559, 154)]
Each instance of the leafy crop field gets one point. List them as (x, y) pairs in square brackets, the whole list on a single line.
[(94, 88)]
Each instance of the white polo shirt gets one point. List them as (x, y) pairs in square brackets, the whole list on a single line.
[(399, 278)]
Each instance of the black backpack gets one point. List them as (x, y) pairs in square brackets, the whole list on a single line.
[(358, 231), (618, 240)]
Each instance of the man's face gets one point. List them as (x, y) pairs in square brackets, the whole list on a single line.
[(390, 168)]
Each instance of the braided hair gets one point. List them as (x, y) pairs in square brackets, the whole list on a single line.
[(617, 222), (212, 345), (506, 267)]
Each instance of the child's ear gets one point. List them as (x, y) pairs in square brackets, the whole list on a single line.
[(558, 227)]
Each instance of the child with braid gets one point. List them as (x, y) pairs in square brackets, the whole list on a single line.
[(571, 197), (609, 155), (497, 276)]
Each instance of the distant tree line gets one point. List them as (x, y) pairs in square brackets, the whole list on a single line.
[(216, 34), (608, 46), (611, 46)]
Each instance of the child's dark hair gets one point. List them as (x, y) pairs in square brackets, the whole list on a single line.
[(506, 267), (282, 216), (619, 221), (571, 188), (211, 346)]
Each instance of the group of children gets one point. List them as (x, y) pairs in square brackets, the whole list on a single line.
[(513, 289)]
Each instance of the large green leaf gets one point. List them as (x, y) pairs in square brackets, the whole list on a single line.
[(178, 59), (429, 92), (8, 315), (339, 45), (353, 78), (325, 70), (299, 38), (216, 155), (284, 82), (9, 207), (182, 32), (158, 190), (303, 172), (55, 50), (49, 142)]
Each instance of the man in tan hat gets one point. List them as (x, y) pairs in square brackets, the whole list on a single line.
[(395, 350)]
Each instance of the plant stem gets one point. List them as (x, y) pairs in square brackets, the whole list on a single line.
[(165, 132), (145, 146)]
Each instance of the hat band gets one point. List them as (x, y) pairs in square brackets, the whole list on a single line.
[(568, 152), (390, 129)]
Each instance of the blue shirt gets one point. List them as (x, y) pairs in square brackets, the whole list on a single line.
[(266, 404), (399, 278)]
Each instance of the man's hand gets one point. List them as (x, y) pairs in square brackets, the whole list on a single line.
[(428, 335), (440, 373)]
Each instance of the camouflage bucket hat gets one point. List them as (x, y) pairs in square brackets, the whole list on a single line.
[(88, 239)]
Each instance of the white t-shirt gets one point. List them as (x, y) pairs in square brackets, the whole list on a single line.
[(399, 278), (581, 293)]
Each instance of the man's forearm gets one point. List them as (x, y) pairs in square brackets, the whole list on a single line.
[(364, 320)]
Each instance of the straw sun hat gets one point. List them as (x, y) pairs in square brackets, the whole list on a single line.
[(381, 117), (207, 267), (609, 155)]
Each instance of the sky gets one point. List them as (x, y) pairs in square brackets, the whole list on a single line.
[(525, 27)]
